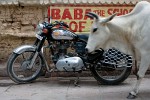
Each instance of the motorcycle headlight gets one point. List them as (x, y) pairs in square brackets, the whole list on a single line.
[(39, 28)]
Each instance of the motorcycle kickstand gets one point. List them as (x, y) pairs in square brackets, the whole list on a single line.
[(76, 81)]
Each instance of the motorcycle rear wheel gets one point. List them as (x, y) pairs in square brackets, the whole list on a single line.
[(17, 67), (109, 76)]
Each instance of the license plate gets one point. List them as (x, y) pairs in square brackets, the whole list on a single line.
[(39, 37)]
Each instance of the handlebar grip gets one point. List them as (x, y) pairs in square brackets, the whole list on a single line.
[(65, 25)]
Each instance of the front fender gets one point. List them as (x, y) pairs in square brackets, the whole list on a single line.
[(24, 48)]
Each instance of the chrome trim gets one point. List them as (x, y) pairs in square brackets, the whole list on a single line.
[(33, 59), (23, 48)]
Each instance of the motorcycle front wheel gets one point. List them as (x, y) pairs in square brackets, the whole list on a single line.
[(109, 76), (18, 67)]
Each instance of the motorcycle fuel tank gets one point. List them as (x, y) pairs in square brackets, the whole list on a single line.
[(70, 64), (61, 34)]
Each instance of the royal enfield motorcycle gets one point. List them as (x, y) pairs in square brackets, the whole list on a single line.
[(68, 54)]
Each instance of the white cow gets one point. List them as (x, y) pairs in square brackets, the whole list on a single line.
[(129, 33)]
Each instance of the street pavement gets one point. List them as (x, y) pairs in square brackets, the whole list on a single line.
[(57, 88)]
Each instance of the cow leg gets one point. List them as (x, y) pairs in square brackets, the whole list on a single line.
[(135, 70), (142, 70), (133, 93)]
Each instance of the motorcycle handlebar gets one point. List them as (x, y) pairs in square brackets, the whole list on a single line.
[(51, 25), (61, 23)]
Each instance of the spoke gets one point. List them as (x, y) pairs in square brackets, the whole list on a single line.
[(111, 74), (23, 56), (23, 59)]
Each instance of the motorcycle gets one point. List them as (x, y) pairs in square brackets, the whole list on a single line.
[(27, 62)]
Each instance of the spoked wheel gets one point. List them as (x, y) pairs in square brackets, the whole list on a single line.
[(18, 67), (110, 76)]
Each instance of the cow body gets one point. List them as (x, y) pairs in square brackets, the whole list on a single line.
[(129, 33)]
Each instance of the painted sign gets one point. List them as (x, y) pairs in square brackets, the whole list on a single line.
[(76, 17)]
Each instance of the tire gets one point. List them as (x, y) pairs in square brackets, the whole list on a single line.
[(20, 75), (102, 80)]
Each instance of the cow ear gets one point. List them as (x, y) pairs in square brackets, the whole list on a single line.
[(105, 20)]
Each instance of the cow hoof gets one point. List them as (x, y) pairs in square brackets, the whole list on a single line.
[(131, 96)]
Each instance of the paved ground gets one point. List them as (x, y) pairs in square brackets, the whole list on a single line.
[(64, 89)]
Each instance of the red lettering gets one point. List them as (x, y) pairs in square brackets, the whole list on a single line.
[(74, 25), (125, 11), (116, 11), (81, 26), (130, 10), (66, 14), (78, 14), (110, 11), (119, 11), (55, 13), (102, 13)]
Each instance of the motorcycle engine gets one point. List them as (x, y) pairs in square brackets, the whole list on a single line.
[(67, 56), (70, 64)]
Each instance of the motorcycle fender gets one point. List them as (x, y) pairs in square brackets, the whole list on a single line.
[(24, 48)]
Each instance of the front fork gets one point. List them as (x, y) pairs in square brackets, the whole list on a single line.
[(33, 60), (38, 43)]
